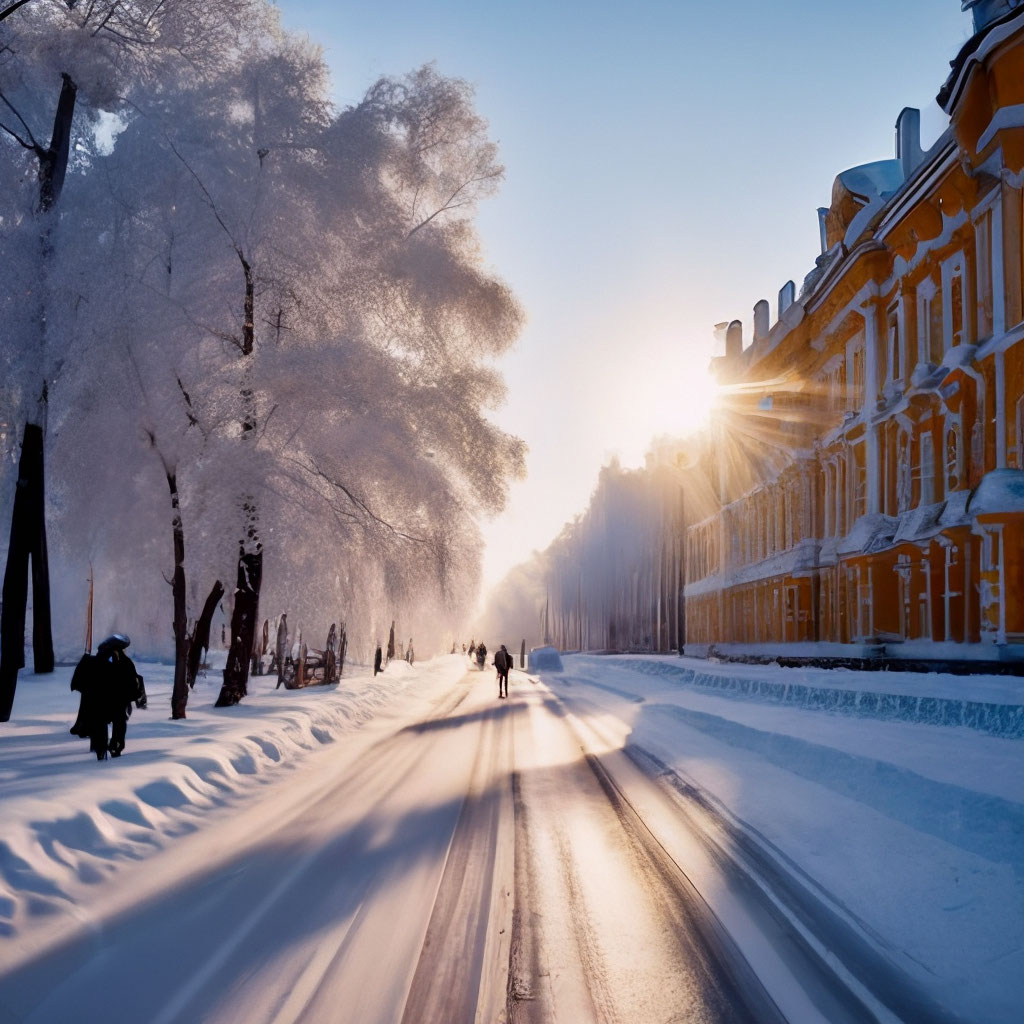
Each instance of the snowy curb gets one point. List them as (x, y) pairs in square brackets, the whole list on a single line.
[(1005, 720)]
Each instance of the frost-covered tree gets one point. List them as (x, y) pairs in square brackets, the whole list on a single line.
[(613, 578), (65, 67), (292, 326)]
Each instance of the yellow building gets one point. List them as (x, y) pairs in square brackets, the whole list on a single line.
[(866, 468)]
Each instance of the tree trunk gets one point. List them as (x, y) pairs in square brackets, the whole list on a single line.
[(28, 540), (179, 692), (28, 519), (53, 162), (201, 634), (243, 627)]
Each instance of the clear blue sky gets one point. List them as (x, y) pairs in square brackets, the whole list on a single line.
[(664, 163)]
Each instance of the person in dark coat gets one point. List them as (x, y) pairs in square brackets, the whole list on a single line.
[(502, 662), (378, 658), (481, 656), (109, 685)]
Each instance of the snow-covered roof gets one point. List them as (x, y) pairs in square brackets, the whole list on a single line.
[(919, 523), (870, 533), (1002, 490), (874, 180), (955, 512)]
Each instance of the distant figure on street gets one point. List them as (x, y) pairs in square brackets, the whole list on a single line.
[(109, 685), (502, 662), (472, 649), (481, 656), (377, 659), (408, 652)]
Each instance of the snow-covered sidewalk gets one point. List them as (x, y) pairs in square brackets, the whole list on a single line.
[(70, 820), (913, 831)]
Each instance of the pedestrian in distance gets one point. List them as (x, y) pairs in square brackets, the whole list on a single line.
[(481, 656), (377, 659), (502, 662), (109, 684)]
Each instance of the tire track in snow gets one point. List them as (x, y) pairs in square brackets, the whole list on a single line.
[(453, 971), (607, 928)]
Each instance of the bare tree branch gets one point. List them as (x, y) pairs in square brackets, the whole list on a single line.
[(34, 146), (7, 11), (450, 203)]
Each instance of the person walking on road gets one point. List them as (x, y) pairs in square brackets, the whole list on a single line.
[(502, 662), (109, 685)]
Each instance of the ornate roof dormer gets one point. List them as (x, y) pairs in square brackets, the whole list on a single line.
[(987, 11)]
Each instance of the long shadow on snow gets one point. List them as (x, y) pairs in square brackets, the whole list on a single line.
[(173, 936)]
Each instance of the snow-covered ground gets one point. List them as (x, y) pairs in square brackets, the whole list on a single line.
[(908, 831), (69, 821), (914, 830)]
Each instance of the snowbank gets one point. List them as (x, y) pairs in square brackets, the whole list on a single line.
[(69, 820), (544, 659), (927, 698)]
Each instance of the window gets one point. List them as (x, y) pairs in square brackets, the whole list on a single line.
[(857, 392), (1016, 453), (903, 484), (788, 505), (983, 245), (929, 324), (927, 469), (936, 343), (957, 306), (889, 472), (895, 360), (954, 460), (859, 479)]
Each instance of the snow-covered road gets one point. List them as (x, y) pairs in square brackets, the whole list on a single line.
[(319, 907), (455, 858), (380, 885)]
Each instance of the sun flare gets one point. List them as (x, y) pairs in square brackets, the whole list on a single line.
[(696, 399)]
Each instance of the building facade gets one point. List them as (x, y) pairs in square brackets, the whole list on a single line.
[(866, 465)]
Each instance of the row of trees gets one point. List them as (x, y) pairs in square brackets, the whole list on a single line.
[(235, 311), (613, 578)]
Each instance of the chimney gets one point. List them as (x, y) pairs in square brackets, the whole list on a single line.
[(787, 296), (908, 140), (719, 332), (823, 228), (734, 340), (762, 320)]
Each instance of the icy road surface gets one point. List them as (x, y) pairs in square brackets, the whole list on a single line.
[(481, 861)]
